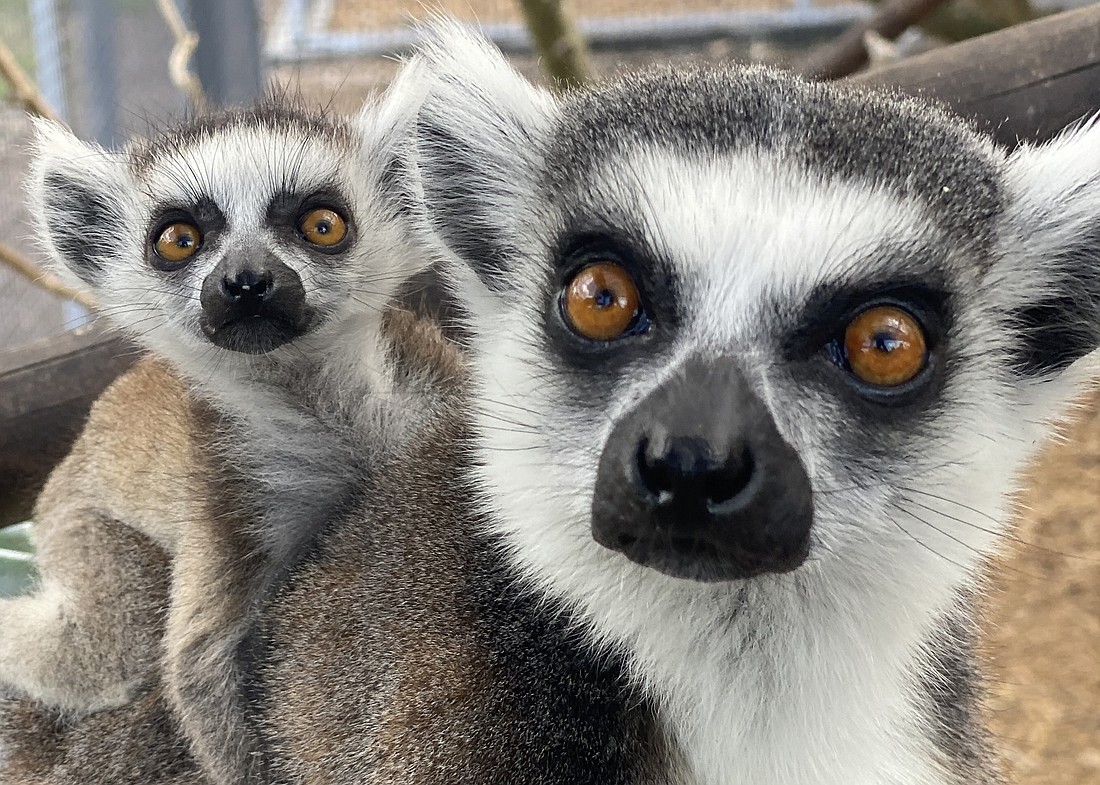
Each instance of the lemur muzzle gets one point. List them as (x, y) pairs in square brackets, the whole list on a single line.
[(253, 305), (697, 481)]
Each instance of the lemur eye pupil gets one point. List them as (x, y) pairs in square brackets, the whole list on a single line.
[(322, 226), (887, 343), (601, 302), (885, 346)]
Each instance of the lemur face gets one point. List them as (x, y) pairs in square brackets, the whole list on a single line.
[(243, 232), (736, 328), (248, 241)]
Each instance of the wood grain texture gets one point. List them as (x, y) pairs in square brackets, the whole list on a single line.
[(1024, 83)]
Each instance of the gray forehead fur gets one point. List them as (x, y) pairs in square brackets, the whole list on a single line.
[(913, 148), (273, 115)]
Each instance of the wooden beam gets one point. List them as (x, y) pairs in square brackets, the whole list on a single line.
[(1026, 82), (46, 389), (848, 52)]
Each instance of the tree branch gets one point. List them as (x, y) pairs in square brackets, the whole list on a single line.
[(29, 96), (26, 92), (847, 53), (51, 283), (561, 48), (180, 56)]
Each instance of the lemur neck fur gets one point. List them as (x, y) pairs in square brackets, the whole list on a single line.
[(297, 421)]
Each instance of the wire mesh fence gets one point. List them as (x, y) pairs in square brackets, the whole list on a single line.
[(100, 65)]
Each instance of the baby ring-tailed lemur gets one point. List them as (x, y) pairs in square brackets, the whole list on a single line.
[(255, 251)]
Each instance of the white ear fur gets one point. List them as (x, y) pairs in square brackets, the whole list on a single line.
[(477, 148), (465, 60), (75, 190), (386, 122), (1055, 189), (1050, 248)]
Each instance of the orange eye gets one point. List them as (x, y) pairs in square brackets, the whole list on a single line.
[(177, 242), (323, 226), (885, 346), (601, 302)]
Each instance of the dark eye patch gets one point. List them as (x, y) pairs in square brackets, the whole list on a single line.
[(286, 208), (815, 345), (831, 307), (593, 242), (203, 213)]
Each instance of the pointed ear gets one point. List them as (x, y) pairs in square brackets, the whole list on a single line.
[(384, 127), (388, 119), (1051, 250), (477, 150), (76, 191)]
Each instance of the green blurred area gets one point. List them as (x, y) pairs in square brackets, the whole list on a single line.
[(15, 27), (17, 572)]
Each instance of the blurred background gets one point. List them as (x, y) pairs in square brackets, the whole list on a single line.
[(115, 68)]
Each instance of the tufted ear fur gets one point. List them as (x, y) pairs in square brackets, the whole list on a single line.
[(76, 192), (1050, 252), (476, 148), (386, 121)]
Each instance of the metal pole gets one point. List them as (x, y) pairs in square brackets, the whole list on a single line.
[(96, 23), (227, 60), (50, 74), (47, 55)]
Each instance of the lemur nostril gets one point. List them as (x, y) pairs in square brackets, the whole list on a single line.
[(669, 469), (731, 479), (653, 471), (247, 285), (685, 471), (626, 540)]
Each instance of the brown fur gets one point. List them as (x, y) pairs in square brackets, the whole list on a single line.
[(148, 459), (145, 466), (380, 662), (95, 623), (383, 668), (137, 744)]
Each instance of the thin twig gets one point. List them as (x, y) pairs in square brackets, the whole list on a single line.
[(848, 52), (178, 60), (30, 97), (51, 283), (561, 47), (26, 92)]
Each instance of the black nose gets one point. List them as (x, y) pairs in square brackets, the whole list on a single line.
[(683, 469), (249, 288), (252, 304), (697, 482)]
